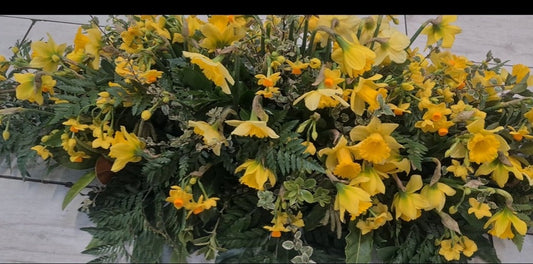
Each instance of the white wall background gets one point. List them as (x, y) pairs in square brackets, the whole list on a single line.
[(33, 228)]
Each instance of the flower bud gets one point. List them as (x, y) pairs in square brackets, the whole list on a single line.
[(146, 114), (193, 180), (6, 134), (452, 210)]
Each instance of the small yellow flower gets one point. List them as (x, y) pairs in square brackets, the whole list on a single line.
[(376, 143), (296, 67), (450, 249), (75, 125), (255, 175), (47, 55), (340, 159), (459, 170), (436, 194), (279, 222), (322, 98), (479, 209), (366, 91), (504, 223), (354, 59), (351, 199), (213, 70), (42, 151), (407, 204), (29, 88), (251, 128), (211, 136), (179, 197), (201, 205), (440, 29), (126, 148)]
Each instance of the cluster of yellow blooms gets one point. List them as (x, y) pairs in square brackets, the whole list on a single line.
[(440, 92)]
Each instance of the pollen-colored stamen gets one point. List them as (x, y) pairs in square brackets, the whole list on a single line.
[(328, 82), (436, 116), (275, 234), (178, 203), (268, 83), (518, 137)]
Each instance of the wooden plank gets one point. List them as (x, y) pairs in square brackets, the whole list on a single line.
[(35, 229)]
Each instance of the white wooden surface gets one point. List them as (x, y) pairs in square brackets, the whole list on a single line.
[(33, 228)]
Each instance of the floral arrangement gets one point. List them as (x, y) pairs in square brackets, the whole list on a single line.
[(277, 138)]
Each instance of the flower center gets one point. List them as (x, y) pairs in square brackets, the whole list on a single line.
[(328, 82), (374, 148), (178, 203), (436, 116)]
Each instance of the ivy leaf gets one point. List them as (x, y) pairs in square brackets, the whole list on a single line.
[(358, 246), (77, 187)]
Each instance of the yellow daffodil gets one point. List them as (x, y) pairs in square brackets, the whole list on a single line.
[(353, 58), (279, 222), (407, 204), (505, 223), (522, 133), (436, 194), (42, 151), (255, 175), (251, 128), (331, 78), (268, 81), (47, 55), (529, 116), (222, 31), (469, 246), (375, 141), (210, 135), (366, 91), (374, 183), (499, 170), (400, 109), (340, 159), (201, 205), (379, 216), (296, 67), (32, 86), (351, 199), (391, 46), (450, 249), (484, 144), (441, 29), (125, 148), (459, 170), (74, 125), (309, 147), (322, 98), (179, 197), (212, 69), (479, 209)]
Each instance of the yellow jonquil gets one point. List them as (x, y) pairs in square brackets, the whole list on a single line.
[(353, 58), (212, 69), (351, 199), (459, 170), (374, 183), (499, 171), (366, 91), (126, 148), (375, 141), (222, 31), (340, 159), (252, 128), (479, 209), (32, 86), (436, 194), (484, 145), (522, 133), (407, 204), (391, 46), (42, 151), (179, 197), (210, 135), (279, 222), (322, 98), (504, 222), (379, 216), (47, 55), (255, 175), (450, 249), (201, 205), (440, 28), (74, 125)]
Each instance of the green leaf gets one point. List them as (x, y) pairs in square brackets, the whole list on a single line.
[(358, 246), (77, 187)]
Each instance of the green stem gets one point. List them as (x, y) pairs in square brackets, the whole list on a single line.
[(304, 37), (376, 32), (418, 31)]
